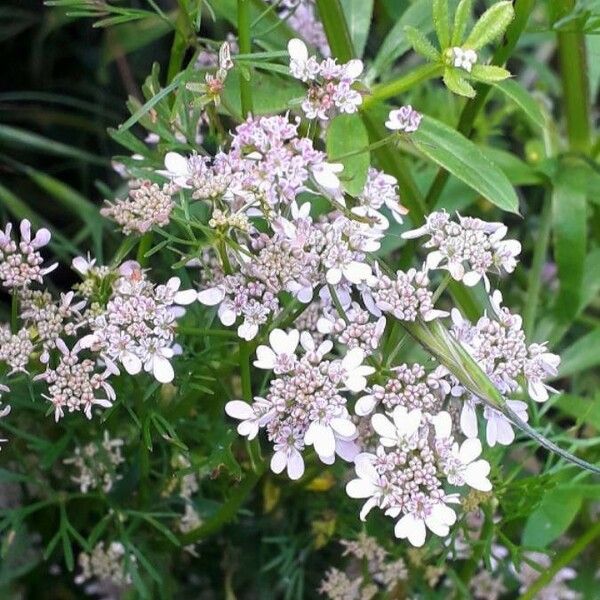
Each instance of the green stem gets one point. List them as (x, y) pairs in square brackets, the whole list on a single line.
[(14, 312), (143, 248), (227, 511), (402, 84), (336, 29), (566, 557), (245, 371), (573, 72), (243, 7), (535, 275), (523, 9)]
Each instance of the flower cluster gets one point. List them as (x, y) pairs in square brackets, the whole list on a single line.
[(147, 205), (497, 343), (331, 88), (115, 316), (96, 464), (137, 326), (106, 567), (404, 119), (404, 476), (21, 264), (462, 58), (306, 402), (385, 572), (467, 249)]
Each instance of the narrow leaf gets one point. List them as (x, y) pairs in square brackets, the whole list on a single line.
[(441, 22), (523, 99), (358, 16), (569, 219), (461, 20), (457, 84), (492, 24), (461, 157), (421, 44)]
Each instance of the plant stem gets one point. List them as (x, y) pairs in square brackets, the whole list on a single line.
[(143, 248), (227, 511), (523, 9), (562, 560), (403, 83), (336, 29), (573, 72), (535, 274), (243, 7)]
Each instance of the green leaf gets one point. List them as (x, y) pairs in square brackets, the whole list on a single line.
[(396, 43), (358, 16), (421, 44), (523, 99), (569, 220), (492, 24), (586, 410), (14, 136), (552, 518), (270, 93), (336, 28), (517, 170), (347, 134), (441, 22), (582, 355), (489, 73), (457, 84), (463, 159), (461, 20)]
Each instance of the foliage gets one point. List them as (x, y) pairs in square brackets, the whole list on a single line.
[(104, 89)]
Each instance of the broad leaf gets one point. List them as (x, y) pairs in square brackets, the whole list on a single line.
[(523, 99), (347, 134), (552, 518), (464, 160)]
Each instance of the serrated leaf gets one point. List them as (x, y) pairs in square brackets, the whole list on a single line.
[(347, 134), (441, 22), (461, 20), (358, 17), (489, 73), (463, 159), (492, 24), (552, 518), (457, 84), (421, 45), (523, 99)]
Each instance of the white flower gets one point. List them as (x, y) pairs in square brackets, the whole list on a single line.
[(499, 429), (287, 454), (326, 177), (177, 168), (252, 416), (470, 471), (301, 66), (463, 58), (350, 370), (322, 434), (438, 517), (368, 484), (314, 353), (404, 119), (280, 356), (156, 361), (403, 428)]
